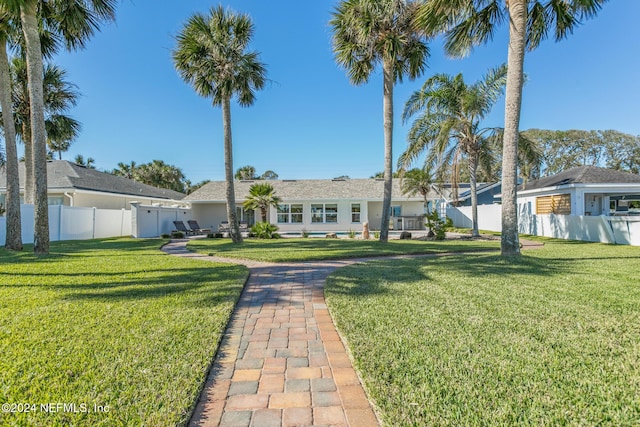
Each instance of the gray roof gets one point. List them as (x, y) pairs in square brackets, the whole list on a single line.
[(583, 175), (306, 189), (62, 175)]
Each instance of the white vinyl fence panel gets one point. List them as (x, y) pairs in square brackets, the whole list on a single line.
[(74, 223), (623, 230)]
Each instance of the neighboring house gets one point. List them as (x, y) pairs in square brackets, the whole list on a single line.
[(582, 191), (486, 194), (72, 185), (337, 205)]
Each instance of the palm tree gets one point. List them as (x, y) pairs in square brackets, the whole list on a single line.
[(212, 56), (12, 199), (261, 196), (449, 123), (126, 170), (74, 21), (371, 32), (467, 23), (418, 181), (245, 173), (59, 96), (80, 161)]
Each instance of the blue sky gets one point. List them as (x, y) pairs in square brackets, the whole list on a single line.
[(310, 122)]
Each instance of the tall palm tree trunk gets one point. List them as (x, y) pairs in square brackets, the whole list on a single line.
[(36, 100), (234, 229), (510, 246), (387, 67), (29, 177), (473, 183), (12, 199)]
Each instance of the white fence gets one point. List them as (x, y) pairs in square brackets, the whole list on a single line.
[(152, 221), (74, 223), (623, 230)]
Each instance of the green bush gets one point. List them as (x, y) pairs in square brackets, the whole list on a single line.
[(165, 236), (265, 230), (352, 234), (436, 225), (305, 233), (177, 234), (376, 234)]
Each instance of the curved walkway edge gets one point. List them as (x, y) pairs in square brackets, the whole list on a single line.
[(281, 361)]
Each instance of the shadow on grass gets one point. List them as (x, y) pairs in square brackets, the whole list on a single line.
[(376, 277)]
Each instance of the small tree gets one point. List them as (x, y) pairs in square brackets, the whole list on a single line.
[(261, 196)]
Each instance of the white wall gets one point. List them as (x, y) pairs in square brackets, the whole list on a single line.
[(73, 223), (624, 230), (209, 215), (489, 217), (153, 221)]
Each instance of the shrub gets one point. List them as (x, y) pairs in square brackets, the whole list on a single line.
[(265, 230), (376, 234), (305, 233), (352, 234), (165, 236), (436, 225), (177, 234)]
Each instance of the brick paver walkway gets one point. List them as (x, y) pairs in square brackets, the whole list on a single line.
[(281, 361)]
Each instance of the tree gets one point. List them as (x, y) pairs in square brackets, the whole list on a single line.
[(80, 161), (13, 239), (418, 181), (190, 188), (212, 56), (467, 23), (75, 21), (367, 33), (246, 173), (269, 175), (59, 96), (564, 149), (448, 125), (159, 174), (261, 196), (126, 170)]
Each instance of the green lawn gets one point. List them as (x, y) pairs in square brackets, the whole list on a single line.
[(114, 323), (552, 339), (313, 249)]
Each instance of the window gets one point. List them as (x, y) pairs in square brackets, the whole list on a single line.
[(55, 200), (324, 213), (355, 212), (396, 211), (331, 213), (289, 214)]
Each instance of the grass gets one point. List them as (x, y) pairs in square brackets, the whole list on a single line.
[(551, 339), (282, 250), (114, 323)]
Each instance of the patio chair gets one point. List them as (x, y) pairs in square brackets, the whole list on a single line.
[(223, 227), (183, 228), (244, 226), (196, 227)]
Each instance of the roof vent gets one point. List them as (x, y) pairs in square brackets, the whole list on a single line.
[(289, 180), (379, 179), (246, 180)]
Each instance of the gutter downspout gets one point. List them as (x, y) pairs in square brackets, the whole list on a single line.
[(70, 196)]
